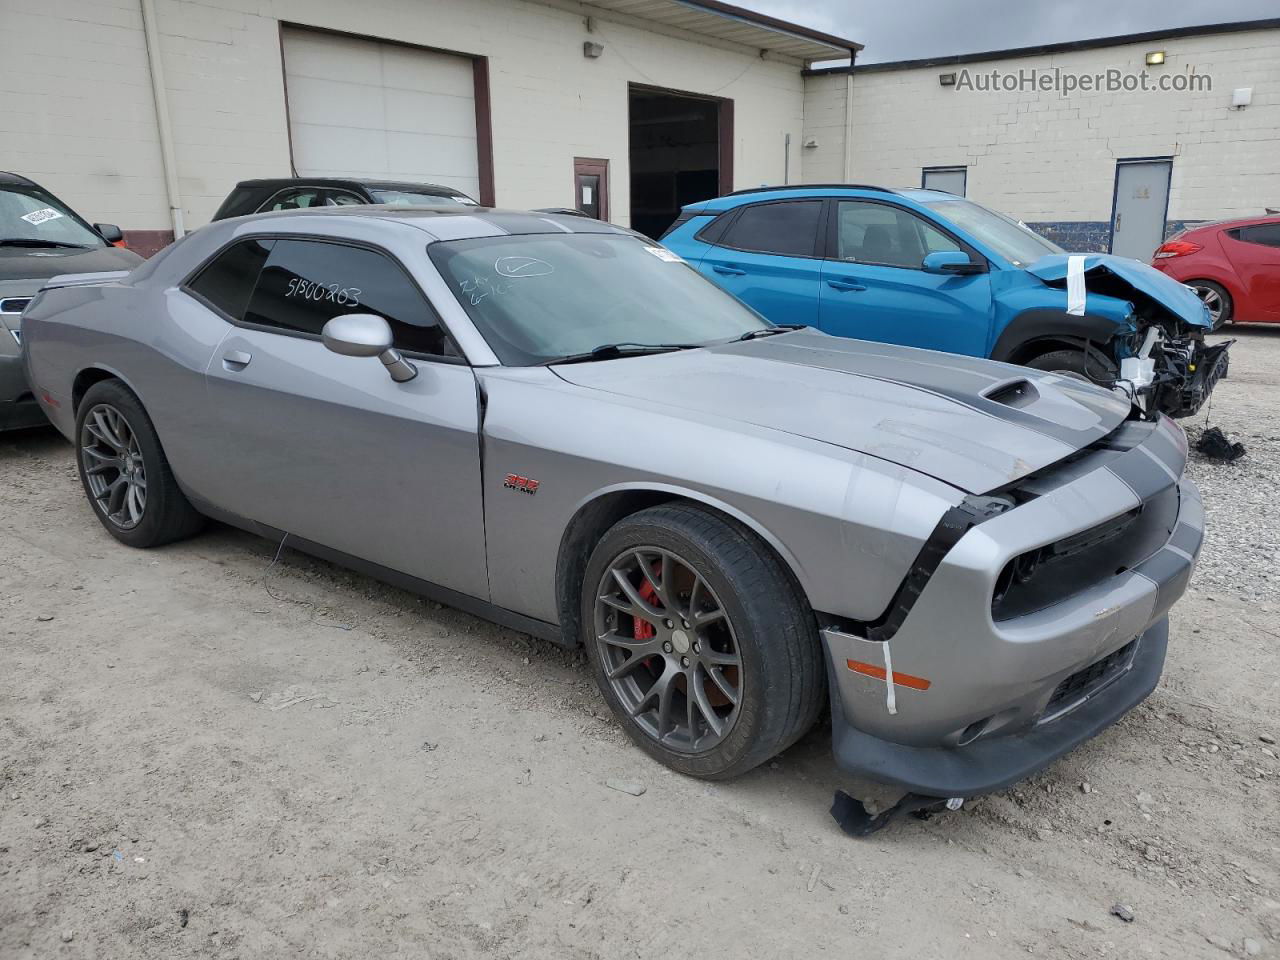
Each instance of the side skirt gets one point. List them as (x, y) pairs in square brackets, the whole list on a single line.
[(432, 591)]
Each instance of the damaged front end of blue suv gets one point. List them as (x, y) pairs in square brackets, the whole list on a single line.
[(928, 269)]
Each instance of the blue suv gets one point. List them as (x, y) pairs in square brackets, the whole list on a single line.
[(928, 269)]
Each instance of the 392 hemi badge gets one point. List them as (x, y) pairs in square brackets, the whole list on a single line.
[(516, 482)]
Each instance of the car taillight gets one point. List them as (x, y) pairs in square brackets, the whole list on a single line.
[(1176, 248)]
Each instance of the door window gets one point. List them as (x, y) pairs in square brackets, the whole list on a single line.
[(789, 228), (341, 198), (890, 236), (306, 283), (227, 281), (298, 198)]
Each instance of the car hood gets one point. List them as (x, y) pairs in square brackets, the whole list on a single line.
[(1131, 280), (975, 424), (36, 263)]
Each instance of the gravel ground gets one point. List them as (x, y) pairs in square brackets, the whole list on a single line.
[(201, 759)]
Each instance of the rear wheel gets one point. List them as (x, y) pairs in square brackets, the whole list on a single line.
[(699, 641), (124, 471), (1215, 297)]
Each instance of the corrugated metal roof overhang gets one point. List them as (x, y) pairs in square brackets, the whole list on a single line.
[(723, 21)]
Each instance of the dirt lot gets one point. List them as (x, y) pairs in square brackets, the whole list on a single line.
[(198, 759)]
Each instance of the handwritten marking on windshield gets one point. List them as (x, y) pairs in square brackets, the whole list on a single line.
[(520, 267)]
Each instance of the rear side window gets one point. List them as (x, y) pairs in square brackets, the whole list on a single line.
[(227, 282), (297, 198), (789, 228), (1266, 234), (306, 283)]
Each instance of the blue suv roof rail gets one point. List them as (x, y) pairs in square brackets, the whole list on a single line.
[(813, 186)]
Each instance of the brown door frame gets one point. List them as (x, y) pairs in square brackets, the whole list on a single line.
[(484, 109), (593, 166), (724, 128)]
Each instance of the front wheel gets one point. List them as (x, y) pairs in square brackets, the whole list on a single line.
[(699, 641), (124, 470), (1075, 364)]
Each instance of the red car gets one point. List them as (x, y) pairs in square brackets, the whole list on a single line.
[(1233, 266)]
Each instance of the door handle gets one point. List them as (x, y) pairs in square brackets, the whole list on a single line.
[(729, 271), (845, 285), (236, 360)]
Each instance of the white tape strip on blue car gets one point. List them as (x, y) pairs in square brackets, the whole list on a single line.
[(1075, 286), (890, 699)]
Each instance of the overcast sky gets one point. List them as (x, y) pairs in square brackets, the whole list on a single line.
[(931, 28)]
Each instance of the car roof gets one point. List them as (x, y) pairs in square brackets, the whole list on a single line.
[(16, 178), (278, 182), (797, 191), (458, 223)]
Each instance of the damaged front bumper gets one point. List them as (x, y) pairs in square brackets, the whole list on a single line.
[(1186, 375), (992, 686)]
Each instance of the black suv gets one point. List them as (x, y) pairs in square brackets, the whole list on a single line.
[(300, 193)]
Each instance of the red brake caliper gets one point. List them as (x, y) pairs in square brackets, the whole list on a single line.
[(643, 628)]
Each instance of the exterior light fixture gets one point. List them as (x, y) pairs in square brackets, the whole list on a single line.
[(947, 79), (1155, 58), (592, 50)]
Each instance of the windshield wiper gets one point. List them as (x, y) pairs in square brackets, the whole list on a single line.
[(611, 351), (769, 331), (39, 242)]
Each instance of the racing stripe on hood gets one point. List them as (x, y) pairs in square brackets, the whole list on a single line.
[(1064, 409)]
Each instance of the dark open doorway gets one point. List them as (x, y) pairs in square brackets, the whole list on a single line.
[(681, 152)]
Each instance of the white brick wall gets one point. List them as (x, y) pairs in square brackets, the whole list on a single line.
[(1041, 157), (75, 95)]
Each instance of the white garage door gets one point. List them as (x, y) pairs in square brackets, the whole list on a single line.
[(359, 108)]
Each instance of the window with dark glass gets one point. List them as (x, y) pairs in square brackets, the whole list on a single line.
[(306, 283), (227, 282), (1267, 234), (787, 228)]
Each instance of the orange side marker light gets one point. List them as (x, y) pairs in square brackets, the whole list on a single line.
[(899, 679)]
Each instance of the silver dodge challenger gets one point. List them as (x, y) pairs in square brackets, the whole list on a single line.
[(558, 425)]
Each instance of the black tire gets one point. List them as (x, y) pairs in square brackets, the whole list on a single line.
[(167, 515), (783, 677), (1076, 364), (1226, 312)]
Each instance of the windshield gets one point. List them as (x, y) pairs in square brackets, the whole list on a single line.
[(539, 297), (1016, 243), (413, 198), (29, 213)]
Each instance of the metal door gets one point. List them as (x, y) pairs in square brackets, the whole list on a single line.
[(1140, 206)]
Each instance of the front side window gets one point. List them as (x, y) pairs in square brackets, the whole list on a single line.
[(538, 297), (305, 283), (877, 233), (32, 217), (789, 228), (227, 281), (297, 198), (421, 198), (1012, 240)]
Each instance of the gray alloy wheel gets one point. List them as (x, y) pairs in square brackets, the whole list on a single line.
[(114, 470), (668, 649), (1215, 298)]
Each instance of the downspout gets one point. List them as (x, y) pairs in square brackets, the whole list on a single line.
[(167, 162), (848, 119)]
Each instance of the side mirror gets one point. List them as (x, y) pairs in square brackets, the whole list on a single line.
[(951, 261), (367, 335), (109, 232)]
